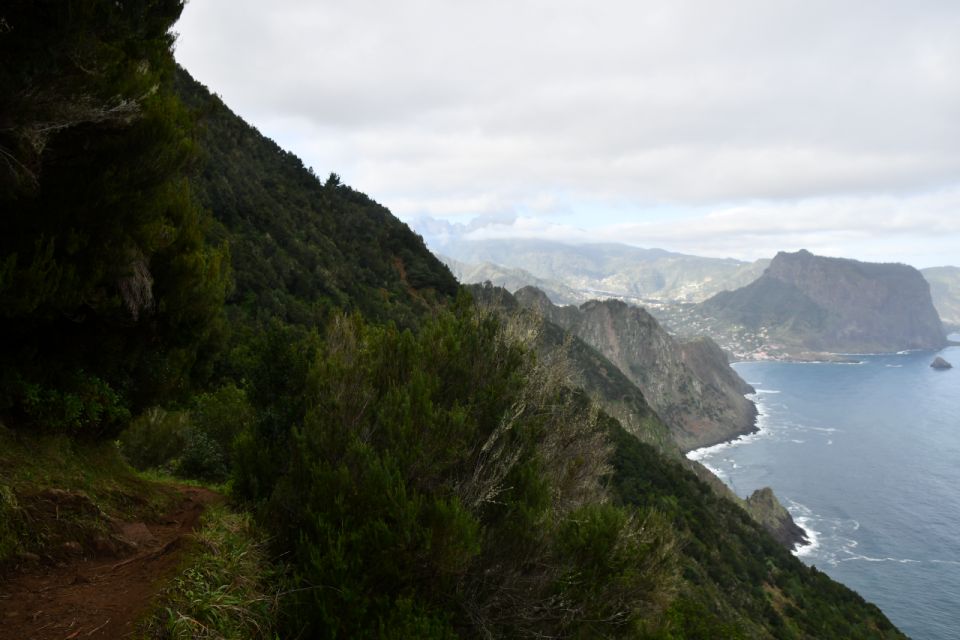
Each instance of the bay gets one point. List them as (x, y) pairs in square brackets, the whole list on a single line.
[(867, 458)]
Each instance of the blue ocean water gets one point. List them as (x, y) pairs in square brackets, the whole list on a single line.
[(867, 458)]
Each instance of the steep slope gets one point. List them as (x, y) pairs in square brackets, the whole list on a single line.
[(833, 304), (945, 291), (619, 397), (691, 387), (301, 247), (588, 369)]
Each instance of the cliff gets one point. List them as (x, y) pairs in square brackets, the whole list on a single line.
[(945, 291), (690, 385), (810, 302)]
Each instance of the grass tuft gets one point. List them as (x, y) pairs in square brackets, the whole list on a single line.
[(227, 590)]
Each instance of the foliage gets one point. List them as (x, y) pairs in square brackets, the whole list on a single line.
[(302, 248), (227, 589), (447, 482), (107, 285), (738, 581), (193, 444), (155, 438)]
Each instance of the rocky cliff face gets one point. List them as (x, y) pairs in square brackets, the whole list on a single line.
[(945, 291), (834, 304), (618, 396), (764, 508), (690, 385), (589, 370)]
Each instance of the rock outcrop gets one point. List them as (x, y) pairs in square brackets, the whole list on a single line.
[(940, 363), (690, 385), (814, 303), (764, 507)]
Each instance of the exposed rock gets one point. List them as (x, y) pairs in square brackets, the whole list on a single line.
[(940, 363), (764, 507), (72, 548), (139, 534), (591, 371), (814, 303), (616, 393), (691, 385), (945, 291)]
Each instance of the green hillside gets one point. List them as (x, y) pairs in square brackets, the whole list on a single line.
[(177, 289)]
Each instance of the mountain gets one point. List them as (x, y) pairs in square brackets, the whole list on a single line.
[(413, 464), (301, 247), (596, 270), (824, 304), (689, 384), (621, 398), (512, 279), (945, 291)]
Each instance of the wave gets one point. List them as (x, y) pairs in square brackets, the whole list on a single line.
[(763, 430), (803, 521), (871, 559), (831, 539)]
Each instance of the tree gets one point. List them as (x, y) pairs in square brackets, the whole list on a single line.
[(107, 286)]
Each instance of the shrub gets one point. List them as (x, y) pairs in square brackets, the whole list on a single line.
[(437, 482), (155, 438)]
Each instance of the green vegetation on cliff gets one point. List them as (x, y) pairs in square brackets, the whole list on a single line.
[(420, 466)]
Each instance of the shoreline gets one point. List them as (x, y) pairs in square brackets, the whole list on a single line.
[(760, 429), (830, 357)]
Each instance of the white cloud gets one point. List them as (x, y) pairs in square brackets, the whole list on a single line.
[(539, 107)]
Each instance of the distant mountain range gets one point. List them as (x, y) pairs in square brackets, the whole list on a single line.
[(579, 272), (665, 282)]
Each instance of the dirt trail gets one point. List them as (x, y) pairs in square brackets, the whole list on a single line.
[(100, 597)]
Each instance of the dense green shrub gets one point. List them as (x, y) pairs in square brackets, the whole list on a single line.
[(154, 438), (442, 482)]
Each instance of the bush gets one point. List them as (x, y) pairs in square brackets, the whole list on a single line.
[(194, 444), (436, 484), (155, 438)]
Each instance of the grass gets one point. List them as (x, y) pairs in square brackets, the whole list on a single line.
[(96, 485), (227, 588)]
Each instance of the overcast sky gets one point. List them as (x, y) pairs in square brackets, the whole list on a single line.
[(734, 128)]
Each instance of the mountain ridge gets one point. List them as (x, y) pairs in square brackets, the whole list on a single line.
[(836, 305), (691, 386)]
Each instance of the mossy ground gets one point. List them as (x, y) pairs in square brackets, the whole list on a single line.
[(55, 490)]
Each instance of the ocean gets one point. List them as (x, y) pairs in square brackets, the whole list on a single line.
[(867, 459)]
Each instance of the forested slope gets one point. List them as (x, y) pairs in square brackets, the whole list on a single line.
[(418, 467)]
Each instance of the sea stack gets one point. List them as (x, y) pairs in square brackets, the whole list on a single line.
[(940, 363)]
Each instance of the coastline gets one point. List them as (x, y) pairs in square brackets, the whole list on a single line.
[(760, 429)]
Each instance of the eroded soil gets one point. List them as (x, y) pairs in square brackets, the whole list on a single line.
[(103, 596)]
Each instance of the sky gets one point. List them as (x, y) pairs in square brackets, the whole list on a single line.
[(726, 129)]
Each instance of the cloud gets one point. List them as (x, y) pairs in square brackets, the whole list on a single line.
[(536, 107), (922, 230)]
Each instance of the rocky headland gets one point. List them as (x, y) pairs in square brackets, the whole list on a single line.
[(805, 306), (688, 383)]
